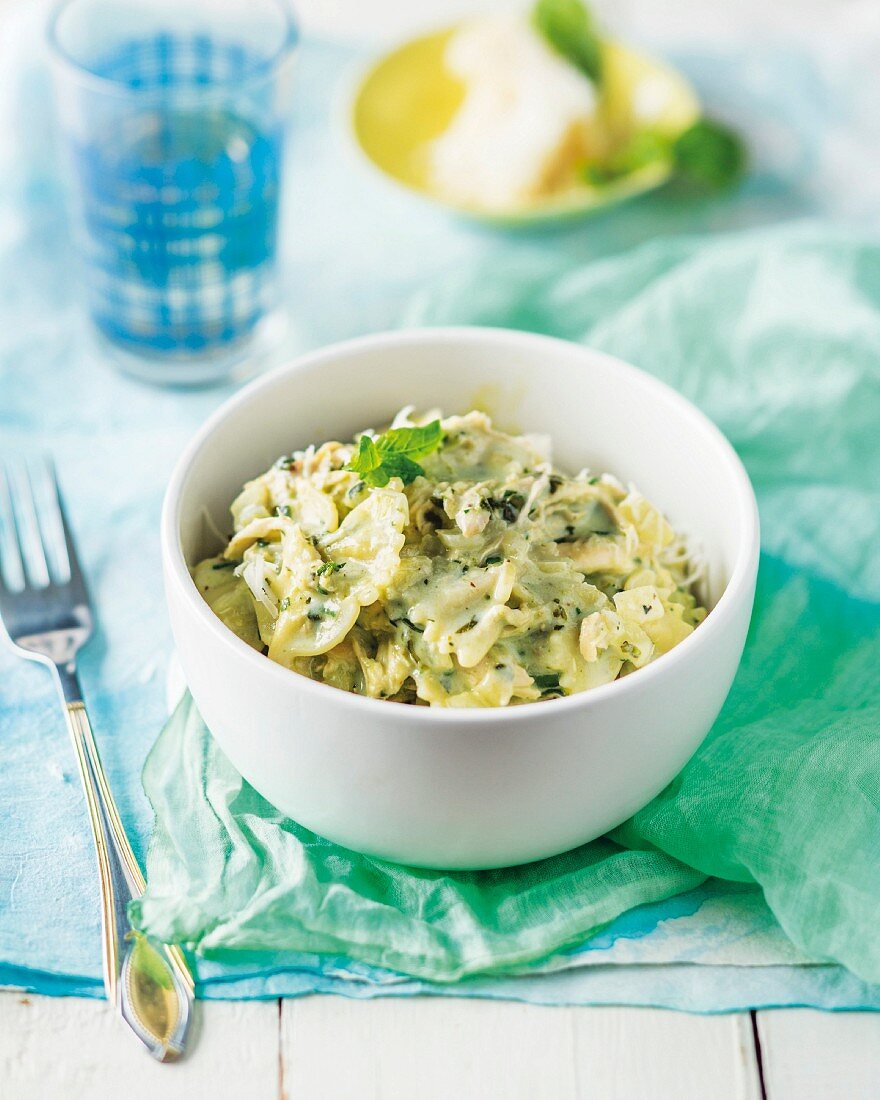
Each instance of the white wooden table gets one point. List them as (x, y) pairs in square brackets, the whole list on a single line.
[(423, 1048), (329, 1048)]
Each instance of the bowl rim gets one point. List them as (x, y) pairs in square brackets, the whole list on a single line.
[(740, 585)]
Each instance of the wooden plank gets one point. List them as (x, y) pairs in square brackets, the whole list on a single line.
[(63, 1047), (433, 1049), (396, 1049), (813, 1055), (632, 1053)]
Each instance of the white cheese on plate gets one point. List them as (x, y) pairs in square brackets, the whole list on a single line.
[(524, 124)]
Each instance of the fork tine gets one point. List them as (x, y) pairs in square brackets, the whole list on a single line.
[(26, 528), (77, 580), (44, 492), (47, 521), (11, 579)]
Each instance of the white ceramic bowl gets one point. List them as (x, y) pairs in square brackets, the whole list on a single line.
[(466, 788)]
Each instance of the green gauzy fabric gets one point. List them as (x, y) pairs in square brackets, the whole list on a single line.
[(776, 335)]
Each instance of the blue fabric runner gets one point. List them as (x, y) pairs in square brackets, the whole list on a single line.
[(360, 257)]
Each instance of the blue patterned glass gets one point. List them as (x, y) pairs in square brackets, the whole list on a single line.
[(174, 124)]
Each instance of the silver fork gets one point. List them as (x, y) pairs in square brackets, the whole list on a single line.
[(45, 611)]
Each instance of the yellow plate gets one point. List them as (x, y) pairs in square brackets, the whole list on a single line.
[(408, 98)]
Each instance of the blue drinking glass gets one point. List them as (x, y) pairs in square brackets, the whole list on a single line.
[(173, 115)]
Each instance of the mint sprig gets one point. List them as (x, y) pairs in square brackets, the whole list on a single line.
[(707, 156), (568, 26), (395, 453)]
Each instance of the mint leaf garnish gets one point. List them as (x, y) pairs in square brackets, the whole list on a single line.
[(567, 25), (395, 453), (414, 443), (367, 461)]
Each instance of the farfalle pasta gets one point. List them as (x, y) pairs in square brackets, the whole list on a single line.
[(447, 563)]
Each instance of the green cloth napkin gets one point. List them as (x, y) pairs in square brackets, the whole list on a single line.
[(776, 335)]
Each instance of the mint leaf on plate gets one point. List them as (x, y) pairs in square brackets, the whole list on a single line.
[(567, 25), (710, 155), (707, 155)]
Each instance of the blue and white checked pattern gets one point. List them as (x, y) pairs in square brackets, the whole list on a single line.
[(179, 198)]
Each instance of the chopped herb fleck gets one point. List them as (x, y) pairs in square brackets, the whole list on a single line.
[(434, 517), (508, 507), (547, 680), (409, 623), (319, 613)]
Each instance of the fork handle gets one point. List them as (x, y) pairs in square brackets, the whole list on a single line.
[(149, 983)]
